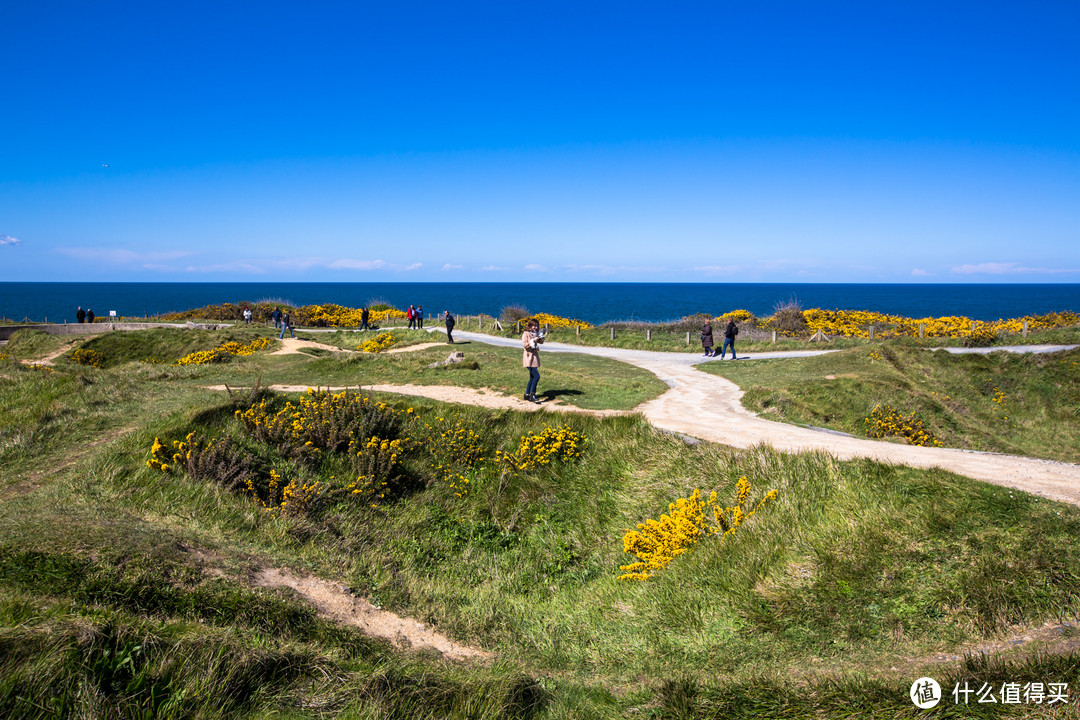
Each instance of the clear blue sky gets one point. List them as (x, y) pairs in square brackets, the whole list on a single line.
[(629, 141)]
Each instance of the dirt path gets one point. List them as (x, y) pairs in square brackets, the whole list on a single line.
[(337, 603), (290, 346), (48, 359), (483, 397)]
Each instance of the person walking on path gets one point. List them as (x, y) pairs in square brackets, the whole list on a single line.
[(80, 315), (530, 341), (276, 316), (410, 315), (247, 316), (707, 339), (729, 339), (286, 324), (419, 316), (89, 316), (365, 315), (450, 322)]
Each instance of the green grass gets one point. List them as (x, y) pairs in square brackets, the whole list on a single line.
[(109, 606), (1038, 413)]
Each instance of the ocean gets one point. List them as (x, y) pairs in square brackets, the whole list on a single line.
[(593, 302)]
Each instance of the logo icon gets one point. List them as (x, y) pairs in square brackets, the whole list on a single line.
[(925, 693)]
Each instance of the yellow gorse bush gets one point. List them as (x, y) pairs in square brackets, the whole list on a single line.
[(656, 543), (281, 498), (556, 321), (544, 448), (737, 315), (885, 420), (855, 323), (86, 356), (223, 352), (457, 448), (377, 344), (375, 462)]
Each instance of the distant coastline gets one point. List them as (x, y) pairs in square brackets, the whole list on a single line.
[(593, 302)]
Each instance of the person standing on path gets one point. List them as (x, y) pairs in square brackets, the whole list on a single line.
[(410, 315), (419, 316), (530, 341), (450, 322), (80, 315), (89, 316), (247, 316), (286, 324), (276, 316), (729, 339), (707, 339), (365, 315)]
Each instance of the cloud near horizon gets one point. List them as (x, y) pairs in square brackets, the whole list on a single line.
[(717, 269), (9, 240), (350, 264), (919, 272), (991, 268), (448, 266), (121, 256)]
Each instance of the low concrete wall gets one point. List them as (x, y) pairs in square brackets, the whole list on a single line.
[(6, 331)]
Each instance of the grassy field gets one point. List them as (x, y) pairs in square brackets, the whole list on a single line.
[(126, 591), (1001, 402)]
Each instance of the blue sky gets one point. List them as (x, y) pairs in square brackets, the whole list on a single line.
[(629, 141)]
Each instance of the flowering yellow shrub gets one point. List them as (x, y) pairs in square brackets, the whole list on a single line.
[(657, 542), (543, 448), (855, 323), (331, 315), (556, 321), (321, 420), (223, 352), (885, 420), (379, 343), (374, 463), (159, 460), (291, 498), (457, 448), (737, 316), (85, 356)]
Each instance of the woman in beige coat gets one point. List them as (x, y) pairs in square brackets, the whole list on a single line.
[(530, 341)]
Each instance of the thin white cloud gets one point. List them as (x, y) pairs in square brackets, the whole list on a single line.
[(992, 268), (349, 264), (240, 266), (918, 272), (448, 266), (717, 269), (535, 268), (8, 240), (494, 268), (612, 269), (120, 256), (414, 266)]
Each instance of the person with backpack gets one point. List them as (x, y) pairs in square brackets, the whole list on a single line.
[(450, 322), (729, 339)]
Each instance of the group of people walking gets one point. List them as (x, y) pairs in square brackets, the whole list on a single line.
[(729, 339)]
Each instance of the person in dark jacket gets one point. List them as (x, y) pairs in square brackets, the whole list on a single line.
[(286, 324), (419, 313), (89, 316), (80, 315), (365, 315), (707, 339), (276, 316), (729, 339), (450, 322)]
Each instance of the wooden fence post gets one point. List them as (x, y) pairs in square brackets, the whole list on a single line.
[(612, 333), (973, 325), (648, 334), (578, 328), (871, 332), (688, 338), (773, 337), (1025, 329), (922, 330)]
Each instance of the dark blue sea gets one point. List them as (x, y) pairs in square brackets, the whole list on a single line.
[(592, 302)]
